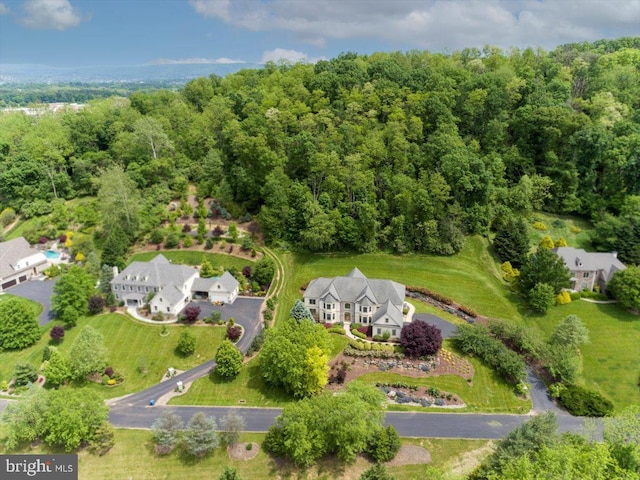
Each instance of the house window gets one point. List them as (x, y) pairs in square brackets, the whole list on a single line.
[(168, 309), (386, 320), (585, 275), (312, 301), (347, 306), (365, 309), (115, 287), (393, 332), (379, 332)]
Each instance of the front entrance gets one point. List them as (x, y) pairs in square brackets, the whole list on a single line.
[(347, 317)]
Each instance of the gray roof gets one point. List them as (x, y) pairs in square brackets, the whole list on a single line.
[(390, 310), (157, 272), (11, 252), (227, 281), (171, 294), (577, 259), (354, 288)]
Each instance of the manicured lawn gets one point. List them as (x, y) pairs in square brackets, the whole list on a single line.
[(131, 345), (133, 457), (611, 360), (247, 386), (191, 257), (560, 226), (471, 277), (35, 306), (21, 227)]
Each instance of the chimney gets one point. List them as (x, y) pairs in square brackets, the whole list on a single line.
[(115, 272), (615, 254)]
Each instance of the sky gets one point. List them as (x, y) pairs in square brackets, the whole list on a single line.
[(74, 33)]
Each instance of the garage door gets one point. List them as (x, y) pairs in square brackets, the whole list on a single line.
[(22, 279), (8, 284), (219, 297)]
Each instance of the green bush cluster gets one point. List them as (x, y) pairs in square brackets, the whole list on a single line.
[(430, 293), (358, 334), (583, 402), (352, 352), (337, 329), (478, 340)]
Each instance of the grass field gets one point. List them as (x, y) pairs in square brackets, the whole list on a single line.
[(131, 345), (190, 257), (611, 360), (133, 457)]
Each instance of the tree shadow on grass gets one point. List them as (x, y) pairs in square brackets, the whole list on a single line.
[(269, 392)]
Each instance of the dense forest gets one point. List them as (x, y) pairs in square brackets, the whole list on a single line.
[(401, 151)]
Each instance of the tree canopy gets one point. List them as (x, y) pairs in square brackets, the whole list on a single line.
[(19, 327)]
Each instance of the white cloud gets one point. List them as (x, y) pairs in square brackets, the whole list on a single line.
[(50, 15), (4, 9), (193, 61), (437, 24), (292, 56)]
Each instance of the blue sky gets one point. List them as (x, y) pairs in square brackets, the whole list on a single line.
[(134, 32)]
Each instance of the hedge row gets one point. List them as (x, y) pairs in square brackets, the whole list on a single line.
[(353, 352), (430, 293), (584, 403), (478, 340)]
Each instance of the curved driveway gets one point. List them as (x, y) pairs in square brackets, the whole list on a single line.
[(39, 291)]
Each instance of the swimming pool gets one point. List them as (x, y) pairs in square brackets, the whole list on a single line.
[(51, 255)]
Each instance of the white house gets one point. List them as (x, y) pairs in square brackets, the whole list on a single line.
[(19, 262), (171, 284), (355, 298), (216, 289), (589, 269)]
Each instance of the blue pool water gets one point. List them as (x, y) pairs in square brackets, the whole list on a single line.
[(51, 254)]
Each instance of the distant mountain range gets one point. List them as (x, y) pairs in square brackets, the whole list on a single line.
[(178, 73)]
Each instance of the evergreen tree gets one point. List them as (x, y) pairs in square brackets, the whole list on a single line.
[(300, 312), (200, 437), (511, 242)]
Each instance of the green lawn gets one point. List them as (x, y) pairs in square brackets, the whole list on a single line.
[(21, 227), (35, 306), (130, 345), (133, 457), (471, 277), (248, 388), (191, 257), (611, 360)]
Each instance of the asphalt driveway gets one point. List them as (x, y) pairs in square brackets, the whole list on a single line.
[(245, 311), (39, 291), (447, 329)]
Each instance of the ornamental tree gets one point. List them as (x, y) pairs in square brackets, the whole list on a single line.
[(186, 343), (420, 339), (541, 297), (231, 425), (228, 360), (285, 355), (24, 373), (191, 313), (299, 311), (56, 370), (200, 437), (511, 242), (72, 291), (544, 266), (570, 332), (166, 432), (18, 325), (57, 333), (88, 353)]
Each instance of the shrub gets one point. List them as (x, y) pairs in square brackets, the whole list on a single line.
[(337, 329), (228, 360), (108, 372), (186, 343), (540, 226), (186, 228), (575, 229), (270, 304), (469, 311), (430, 293), (420, 339), (267, 315), (24, 373), (582, 402), (188, 241), (234, 332), (256, 344), (96, 304), (563, 298), (541, 297), (57, 333), (384, 444), (477, 340), (246, 271), (547, 242), (208, 244), (575, 296), (172, 240), (191, 313), (157, 237), (358, 334)]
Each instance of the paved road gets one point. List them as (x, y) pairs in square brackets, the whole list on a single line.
[(408, 424), (447, 329), (541, 401), (39, 291)]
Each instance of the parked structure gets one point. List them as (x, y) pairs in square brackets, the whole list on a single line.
[(589, 269), (19, 262), (355, 298), (170, 286)]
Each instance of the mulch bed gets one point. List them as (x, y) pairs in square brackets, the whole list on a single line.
[(239, 451), (410, 455)]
